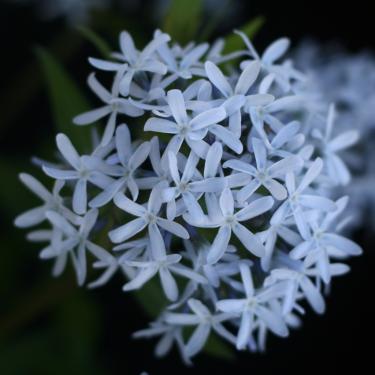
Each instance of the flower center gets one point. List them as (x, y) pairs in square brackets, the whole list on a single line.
[(151, 218)]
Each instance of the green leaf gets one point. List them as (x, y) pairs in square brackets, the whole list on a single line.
[(151, 298), (233, 42), (215, 347), (183, 19), (12, 192), (66, 99), (99, 43)]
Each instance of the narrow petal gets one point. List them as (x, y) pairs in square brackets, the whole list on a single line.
[(277, 190), (98, 88), (198, 339), (127, 230), (177, 106), (247, 279), (226, 202), (313, 295), (214, 156), (67, 150), (207, 118), (92, 116), (139, 155), (275, 50), (260, 153), (35, 186), (108, 193), (311, 174), (341, 243), (231, 305), (248, 190), (247, 78), (249, 240), (61, 223), (168, 284), (123, 144), (156, 243), (317, 202), (60, 174), (142, 277), (80, 197), (245, 330), (218, 79), (160, 126), (284, 166), (255, 208), (123, 202), (30, 218), (220, 244), (241, 166), (228, 138), (173, 227), (105, 65), (273, 321)]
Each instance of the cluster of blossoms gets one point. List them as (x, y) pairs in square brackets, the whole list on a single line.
[(225, 188), (347, 80)]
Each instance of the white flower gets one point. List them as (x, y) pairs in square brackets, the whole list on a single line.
[(228, 221), (188, 187), (264, 174), (85, 169), (298, 201), (245, 153), (281, 73), (254, 305), (185, 66), (139, 61), (114, 105), (169, 334), (146, 217), (52, 202), (236, 98), (192, 131), (75, 238), (321, 243), (336, 168), (163, 264), (130, 161), (204, 320)]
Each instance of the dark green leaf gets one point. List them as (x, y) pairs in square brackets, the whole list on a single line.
[(66, 99), (234, 43), (100, 44), (183, 19), (215, 347), (151, 298)]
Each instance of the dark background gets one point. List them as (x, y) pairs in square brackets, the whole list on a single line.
[(50, 326)]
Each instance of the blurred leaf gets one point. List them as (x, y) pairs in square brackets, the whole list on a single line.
[(77, 323), (12, 193), (215, 347), (234, 43), (216, 17), (24, 85), (66, 99), (100, 44), (151, 298), (183, 19)]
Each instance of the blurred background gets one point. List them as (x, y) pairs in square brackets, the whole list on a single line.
[(50, 326)]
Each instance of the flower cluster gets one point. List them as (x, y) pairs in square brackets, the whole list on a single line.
[(347, 80), (222, 195)]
